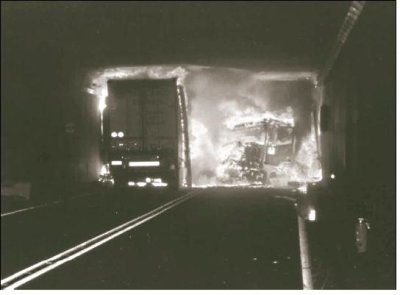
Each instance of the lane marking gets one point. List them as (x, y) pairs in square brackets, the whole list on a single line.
[(26, 275), (305, 257), (23, 210), (45, 205)]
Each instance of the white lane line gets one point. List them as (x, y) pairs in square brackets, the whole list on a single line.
[(35, 270), (44, 205), (23, 210), (84, 244), (304, 255)]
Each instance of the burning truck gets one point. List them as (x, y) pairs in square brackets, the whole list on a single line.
[(261, 154), (237, 128)]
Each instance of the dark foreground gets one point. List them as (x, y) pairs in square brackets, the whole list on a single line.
[(219, 239), (224, 240)]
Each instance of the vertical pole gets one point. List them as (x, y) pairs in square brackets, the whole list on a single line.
[(318, 101), (294, 142), (304, 255), (142, 100), (265, 150)]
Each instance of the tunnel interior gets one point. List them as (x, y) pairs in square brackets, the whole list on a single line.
[(246, 127), (256, 79)]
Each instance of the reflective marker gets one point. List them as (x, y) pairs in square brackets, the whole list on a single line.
[(116, 163), (312, 215)]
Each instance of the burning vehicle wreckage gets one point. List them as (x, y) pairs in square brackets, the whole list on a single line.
[(263, 152)]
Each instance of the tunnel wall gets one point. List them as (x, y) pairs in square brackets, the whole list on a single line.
[(359, 147), (361, 92), (69, 162), (38, 149), (84, 143)]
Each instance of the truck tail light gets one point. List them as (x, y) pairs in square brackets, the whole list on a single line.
[(144, 164)]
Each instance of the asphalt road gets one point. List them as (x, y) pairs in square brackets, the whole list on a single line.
[(31, 236), (227, 239)]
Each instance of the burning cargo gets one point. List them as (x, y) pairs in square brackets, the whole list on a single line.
[(243, 128), (260, 145), (252, 132)]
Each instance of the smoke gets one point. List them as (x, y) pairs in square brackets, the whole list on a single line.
[(218, 98), (222, 97)]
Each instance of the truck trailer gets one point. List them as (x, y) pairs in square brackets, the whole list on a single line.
[(141, 133)]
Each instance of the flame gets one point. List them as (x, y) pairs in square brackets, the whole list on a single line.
[(221, 137), (102, 99), (244, 132), (199, 140), (253, 119)]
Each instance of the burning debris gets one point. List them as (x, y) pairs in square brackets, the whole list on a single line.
[(261, 144), (258, 133), (245, 128), (249, 145), (261, 153)]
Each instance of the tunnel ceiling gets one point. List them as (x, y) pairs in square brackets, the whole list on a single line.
[(267, 35)]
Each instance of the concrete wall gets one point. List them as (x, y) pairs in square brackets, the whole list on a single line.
[(360, 149), (361, 91)]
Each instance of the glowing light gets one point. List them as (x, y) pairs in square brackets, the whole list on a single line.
[(113, 134), (312, 215), (159, 184), (144, 164), (103, 170), (333, 176), (302, 189), (102, 104), (141, 184), (121, 134), (148, 179), (271, 150), (116, 163), (251, 118), (91, 91), (157, 180), (219, 157), (131, 183), (237, 157), (199, 140), (102, 99)]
